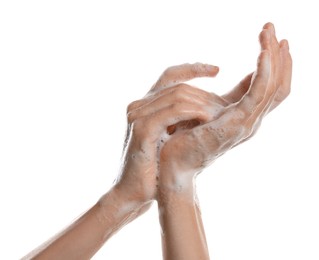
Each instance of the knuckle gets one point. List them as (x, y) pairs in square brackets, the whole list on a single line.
[(135, 105), (132, 106), (180, 92)]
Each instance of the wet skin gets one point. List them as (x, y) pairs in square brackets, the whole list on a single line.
[(173, 133)]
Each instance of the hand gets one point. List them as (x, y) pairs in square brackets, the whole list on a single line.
[(148, 120), (236, 115)]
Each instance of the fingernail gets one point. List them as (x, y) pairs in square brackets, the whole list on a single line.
[(209, 68)]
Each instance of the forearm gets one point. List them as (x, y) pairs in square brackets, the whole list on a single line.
[(83, 238), (183, 236)]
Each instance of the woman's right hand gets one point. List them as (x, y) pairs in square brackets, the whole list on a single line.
[(236, 116)]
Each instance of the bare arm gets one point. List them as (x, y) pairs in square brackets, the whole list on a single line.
[(162, 128), (178, 231), (183, 235), (135, 187), (193, 145), (83, 238)]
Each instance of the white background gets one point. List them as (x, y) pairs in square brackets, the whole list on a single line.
[(69, 68)]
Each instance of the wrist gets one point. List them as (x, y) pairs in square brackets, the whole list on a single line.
[(115, 209), (135, 190), (176, 187), (174, 201), (124, 196), (120, 203), (176, 182)]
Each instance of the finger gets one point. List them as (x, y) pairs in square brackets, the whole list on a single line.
[(286, 74), (151, 96), (257, 96), (239, 91), (181, 73), (155, 125), (243, 87), (174, 76), (274, 81), (258, 88), (284, 87), (193, 90), (180, 94), (275, 48)]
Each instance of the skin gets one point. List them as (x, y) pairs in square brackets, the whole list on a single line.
[(236, 117), (173, 133), (190, 146), (135, 187)]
